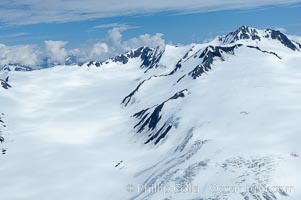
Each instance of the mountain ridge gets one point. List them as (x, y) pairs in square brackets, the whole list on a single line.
[(151, 55)]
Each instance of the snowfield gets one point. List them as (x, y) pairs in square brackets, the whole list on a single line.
[(219, 120)]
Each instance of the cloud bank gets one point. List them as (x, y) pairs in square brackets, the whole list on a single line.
[(48, 11), (56, 52), (22, 54)]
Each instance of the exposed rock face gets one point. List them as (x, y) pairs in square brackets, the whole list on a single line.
[(16, 67), (4, 83)]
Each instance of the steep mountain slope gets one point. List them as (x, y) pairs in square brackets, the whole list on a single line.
[(204, 121)]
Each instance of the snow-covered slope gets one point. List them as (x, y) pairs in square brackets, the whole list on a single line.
[(204, 121)]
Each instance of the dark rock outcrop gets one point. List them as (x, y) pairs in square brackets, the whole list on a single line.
[(4, 83), (16, 67), (149, 119)]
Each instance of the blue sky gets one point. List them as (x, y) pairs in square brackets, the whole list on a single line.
[(33, 23)]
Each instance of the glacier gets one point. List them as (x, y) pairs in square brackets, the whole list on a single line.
[(211, 121)]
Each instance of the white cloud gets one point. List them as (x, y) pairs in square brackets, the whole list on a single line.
[(146, 40), (55, 51), (21, 54), (75, 52), (115, 39), (47, 11), (281, 29), (111, 25), (98, 50), (115, 36), (15, 35), (114, 44)]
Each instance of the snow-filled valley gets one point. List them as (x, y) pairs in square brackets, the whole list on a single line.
[(219, 120)]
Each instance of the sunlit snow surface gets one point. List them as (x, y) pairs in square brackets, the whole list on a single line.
[(69, 136)]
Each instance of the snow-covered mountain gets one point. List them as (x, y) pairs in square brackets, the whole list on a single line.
[(150, 58), (218, 120), (248, 34)]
